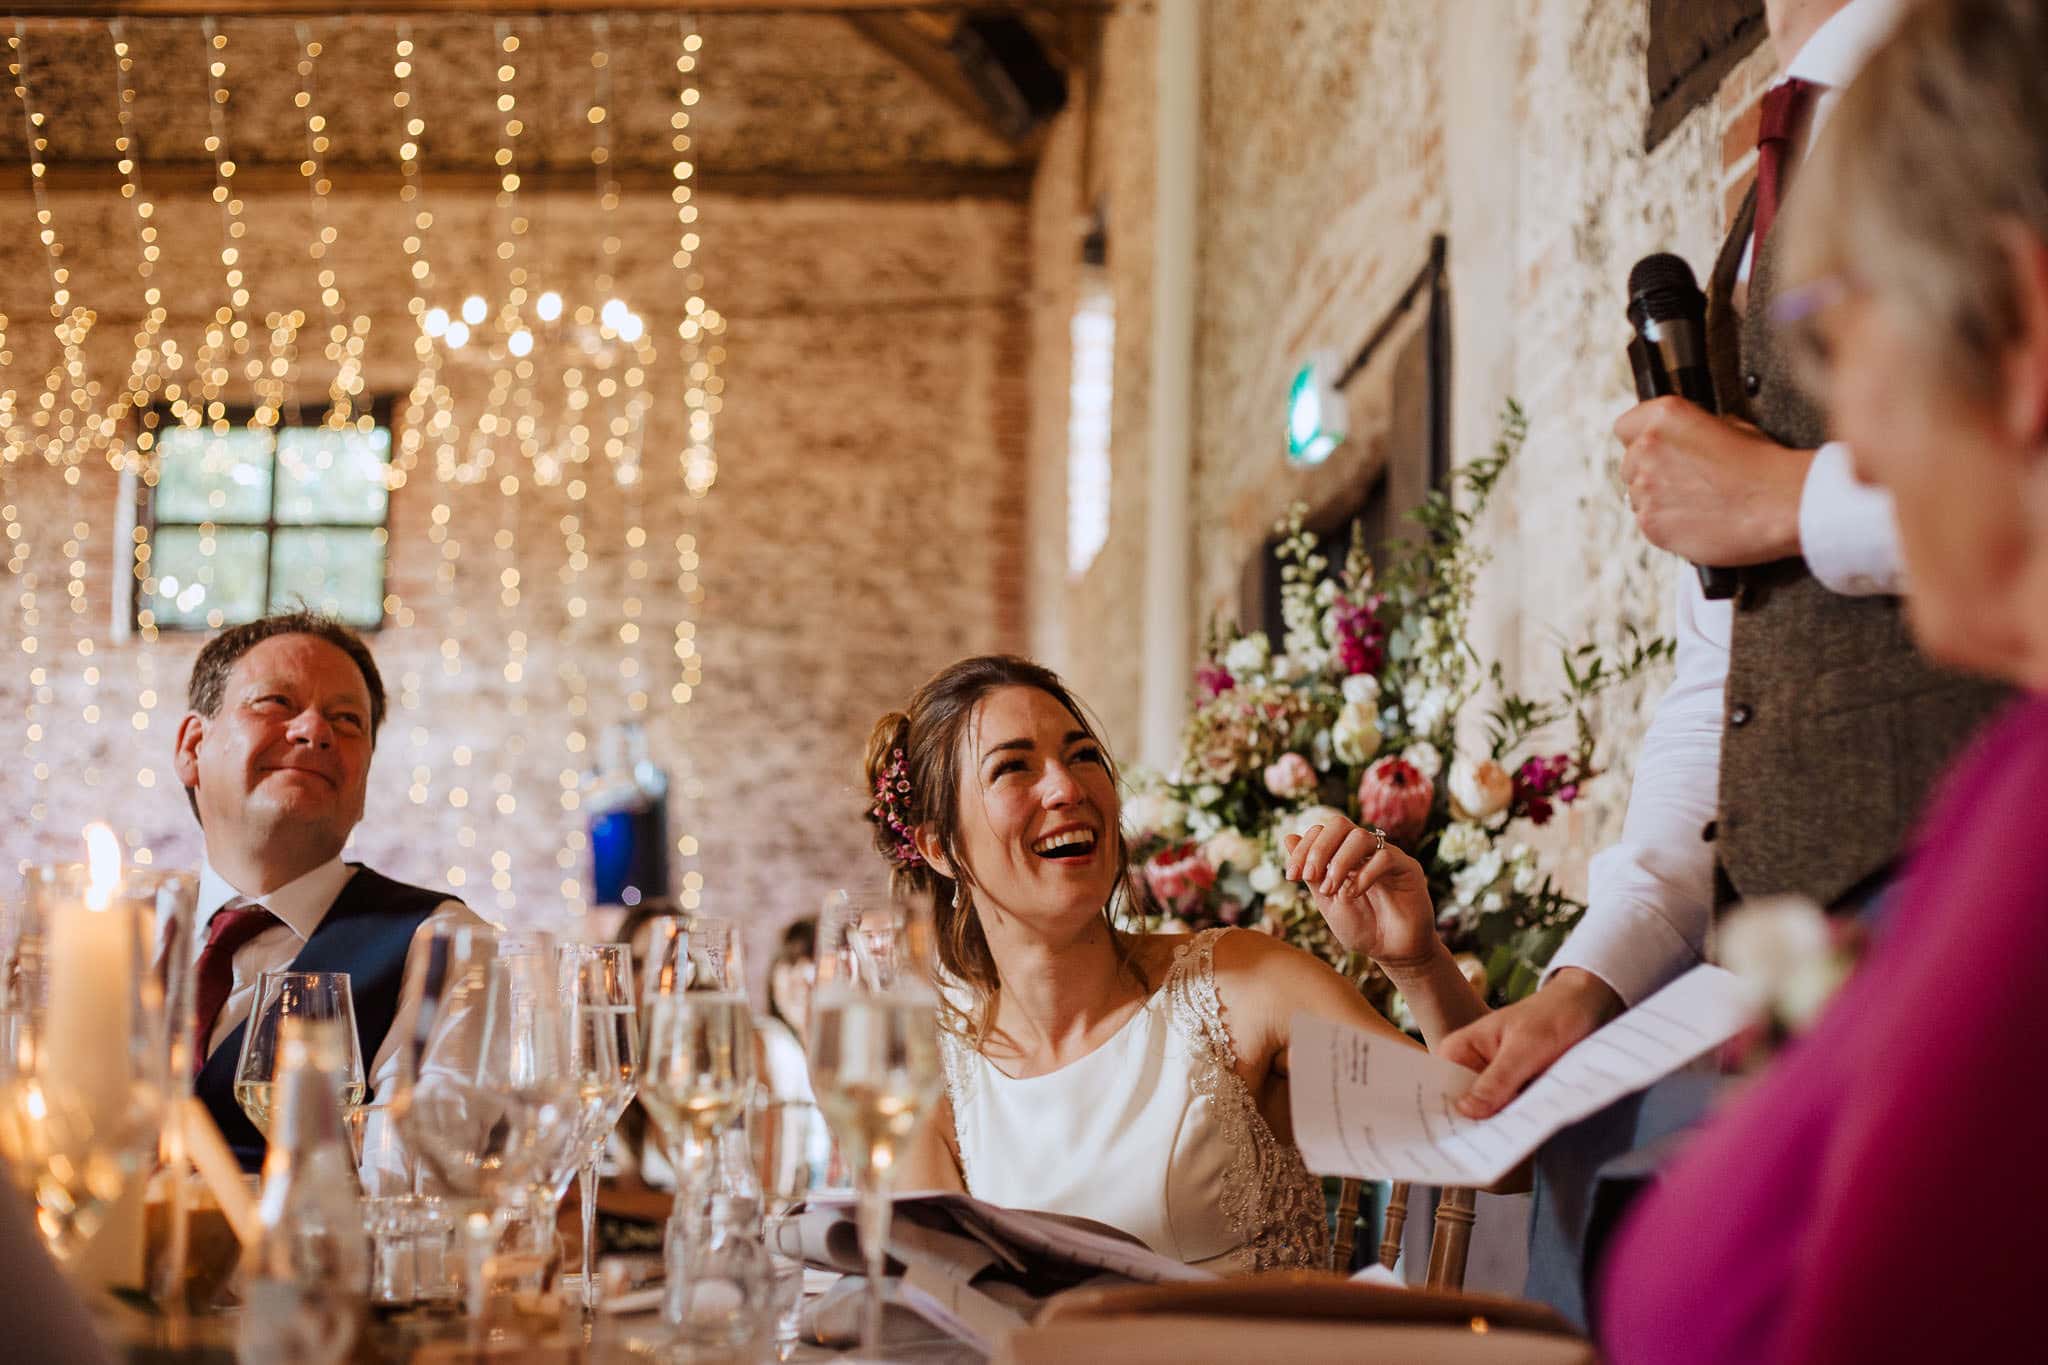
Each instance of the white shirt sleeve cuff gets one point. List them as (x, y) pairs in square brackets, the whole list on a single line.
[(1847, 531), (1632, 948)]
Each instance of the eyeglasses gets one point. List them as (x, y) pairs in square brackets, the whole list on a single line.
[(1797, 313)]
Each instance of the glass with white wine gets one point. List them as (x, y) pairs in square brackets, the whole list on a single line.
[(697, 1070), (318, 996), (875, 1054), (604, 1057)]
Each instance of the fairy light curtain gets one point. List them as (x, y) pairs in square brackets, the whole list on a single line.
[(549, 447)]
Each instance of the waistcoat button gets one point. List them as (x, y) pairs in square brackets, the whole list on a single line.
[(1710, 831), (1739, 714), (1752, 383)]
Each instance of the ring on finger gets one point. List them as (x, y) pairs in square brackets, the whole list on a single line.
[(1379, 838)]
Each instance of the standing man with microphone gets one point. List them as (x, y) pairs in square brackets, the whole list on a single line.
[(1801, 732)]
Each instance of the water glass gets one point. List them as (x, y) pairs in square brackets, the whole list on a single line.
[(720, 1291)]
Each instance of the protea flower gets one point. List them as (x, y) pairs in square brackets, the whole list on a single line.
[(1395, 795)]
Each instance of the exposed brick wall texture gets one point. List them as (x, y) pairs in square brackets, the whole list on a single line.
[(866, 528)]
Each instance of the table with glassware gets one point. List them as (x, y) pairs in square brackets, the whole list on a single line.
[(423, 1225)]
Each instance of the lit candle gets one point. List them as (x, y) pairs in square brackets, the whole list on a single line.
[(97, 946), (92, 966)]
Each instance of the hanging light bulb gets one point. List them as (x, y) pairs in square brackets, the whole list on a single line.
[(549, 306), (520, 342), (614, 313), (473, 309), (630, 328), (435, 323), (458, 335)]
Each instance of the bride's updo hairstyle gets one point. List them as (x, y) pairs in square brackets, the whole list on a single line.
[(913, 771)]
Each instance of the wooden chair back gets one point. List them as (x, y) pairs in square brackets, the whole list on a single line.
[(1450, 1241)]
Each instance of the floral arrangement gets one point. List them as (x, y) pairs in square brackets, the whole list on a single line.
[(1362, 709)]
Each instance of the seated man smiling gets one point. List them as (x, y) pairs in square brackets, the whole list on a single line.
[(274, 756)]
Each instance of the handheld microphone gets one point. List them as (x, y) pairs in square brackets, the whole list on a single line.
[(1669, 355)]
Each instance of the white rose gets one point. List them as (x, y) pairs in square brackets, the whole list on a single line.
[(1361, 687), (1202, 825), (1482, 790), (1247, 656), (1425, 759), (1356, 736), (1283, 668), (1230, 846), (1208, 794), (1772, 943), (1302, 820), (1461, 843), (1265, 877), (1156, 813)]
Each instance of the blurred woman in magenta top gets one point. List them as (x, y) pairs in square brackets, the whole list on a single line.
[(1882, 1192)]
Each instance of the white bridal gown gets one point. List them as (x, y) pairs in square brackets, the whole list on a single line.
[(1153, 1133)]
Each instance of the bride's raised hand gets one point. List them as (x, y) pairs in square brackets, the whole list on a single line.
[(1374, 897)]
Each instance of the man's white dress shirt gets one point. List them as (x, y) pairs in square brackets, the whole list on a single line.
[(300, 905), (1651, 894)]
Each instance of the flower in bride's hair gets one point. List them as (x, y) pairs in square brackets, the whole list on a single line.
[(1290, 777), (1394, 795), (1481, 790), (892, 810)]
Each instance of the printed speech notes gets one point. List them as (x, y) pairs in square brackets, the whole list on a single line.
[(1370, 1106)]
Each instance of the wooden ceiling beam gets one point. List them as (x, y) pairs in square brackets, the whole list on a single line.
[(911, 41), (260, 9), (195, 179)]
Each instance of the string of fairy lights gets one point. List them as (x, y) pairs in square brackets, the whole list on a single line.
[(531, 377)]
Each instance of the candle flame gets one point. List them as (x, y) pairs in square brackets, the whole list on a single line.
[(103, 865)]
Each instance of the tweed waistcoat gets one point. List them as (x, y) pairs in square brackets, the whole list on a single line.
[(1835, 728), (367, 933)]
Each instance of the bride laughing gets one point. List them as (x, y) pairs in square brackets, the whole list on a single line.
[(1136, 1079)]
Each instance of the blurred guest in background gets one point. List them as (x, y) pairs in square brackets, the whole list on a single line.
[(1879, 1195), (785, 1074)]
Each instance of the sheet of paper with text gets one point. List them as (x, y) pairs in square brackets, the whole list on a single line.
[(1370, 1106)]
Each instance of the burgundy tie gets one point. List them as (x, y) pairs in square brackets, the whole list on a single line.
[(1784, 104), (234, 924)]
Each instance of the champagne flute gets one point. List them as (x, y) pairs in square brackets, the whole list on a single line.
[(295, 995), (604, 1055), (697, 1073), (875, 1054)]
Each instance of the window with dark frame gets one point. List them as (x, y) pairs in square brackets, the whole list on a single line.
[(255, 519), (1693, 46)]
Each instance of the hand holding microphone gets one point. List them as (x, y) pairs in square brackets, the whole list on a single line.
[(1669, 355)]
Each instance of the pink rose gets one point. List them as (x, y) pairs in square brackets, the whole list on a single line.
[(1395, 795), (1179, 878), (1290, 777)]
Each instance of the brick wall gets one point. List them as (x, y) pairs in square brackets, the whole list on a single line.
[(866, 527), (1337, 138)]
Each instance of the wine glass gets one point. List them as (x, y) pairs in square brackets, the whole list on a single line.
[(604, 1055), (697, 1072), (486, 1096), (295, 995), (875, 1054)]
